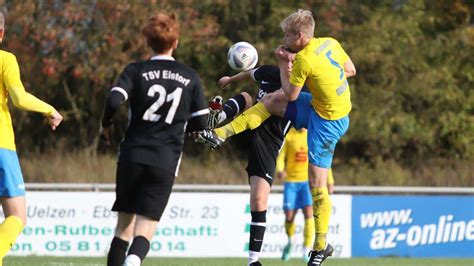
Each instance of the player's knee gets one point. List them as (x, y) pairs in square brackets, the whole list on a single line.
[(266, 101), (318, 177), (23, 220), (313, 183), (290, 218), (308, 212), (124, 234), (258, 203), (248, 100), (274, 102)]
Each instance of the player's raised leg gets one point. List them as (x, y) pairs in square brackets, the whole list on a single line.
[(250, 119), (222, 112), (272, 104)]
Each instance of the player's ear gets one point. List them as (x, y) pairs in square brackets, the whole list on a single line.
[(175, 45), (2, 32), (300, 35)]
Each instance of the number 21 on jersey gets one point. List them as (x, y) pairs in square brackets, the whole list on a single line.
[(163, 97)]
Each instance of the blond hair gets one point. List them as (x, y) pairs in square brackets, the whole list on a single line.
[(299, 21)]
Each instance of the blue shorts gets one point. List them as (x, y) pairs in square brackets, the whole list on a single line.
[(298, 111), (322, 138), (11, 179), (296, 195), (322, 134)]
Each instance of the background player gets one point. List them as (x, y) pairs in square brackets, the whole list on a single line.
[(292, 167), (323, 66), (163, 95), (12, 187), (265, 143)]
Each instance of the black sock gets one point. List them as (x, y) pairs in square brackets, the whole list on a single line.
[(233, 106), (139, 247), (118, 249), (257, 230)]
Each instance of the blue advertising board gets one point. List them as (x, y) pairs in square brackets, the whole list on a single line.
[(413, 226)]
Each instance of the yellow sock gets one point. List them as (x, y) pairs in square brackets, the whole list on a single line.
[(308, 232), (225, 131), (322, 207), (9, 231), (250, 119), (290, 229)]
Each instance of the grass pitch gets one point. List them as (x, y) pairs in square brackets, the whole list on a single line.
[(70, 261)]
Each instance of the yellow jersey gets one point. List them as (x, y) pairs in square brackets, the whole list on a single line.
[(320, 65), (12, 86), (293, 157)]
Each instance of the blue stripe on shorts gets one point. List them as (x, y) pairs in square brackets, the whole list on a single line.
[(11, 179)]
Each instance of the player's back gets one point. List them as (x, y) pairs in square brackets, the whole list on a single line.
[(162, 95), (323, 62)]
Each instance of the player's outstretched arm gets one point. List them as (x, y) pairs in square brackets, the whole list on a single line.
[(242, 76)]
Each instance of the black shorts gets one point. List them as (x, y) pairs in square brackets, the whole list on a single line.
[(142, 189), (265, 144)]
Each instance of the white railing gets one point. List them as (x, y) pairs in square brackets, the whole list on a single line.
[(246, 188)]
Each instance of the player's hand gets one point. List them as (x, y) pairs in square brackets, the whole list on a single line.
[(105, 133), (55, 119), (194, 135), (281, 175), (280, 53), (224, 82), (330, 188)]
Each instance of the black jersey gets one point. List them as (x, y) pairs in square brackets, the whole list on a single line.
[(163, 95), (268, 78), (268, 138)]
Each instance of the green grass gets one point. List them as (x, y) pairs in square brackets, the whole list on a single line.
[(40, 261)]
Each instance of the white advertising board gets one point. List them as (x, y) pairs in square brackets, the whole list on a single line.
[(193, 225)]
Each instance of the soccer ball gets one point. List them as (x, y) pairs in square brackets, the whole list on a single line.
[(242, 56)]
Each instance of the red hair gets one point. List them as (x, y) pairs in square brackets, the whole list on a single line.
[(161, 31)]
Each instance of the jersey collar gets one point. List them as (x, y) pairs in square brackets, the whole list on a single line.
[(162, 57)]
